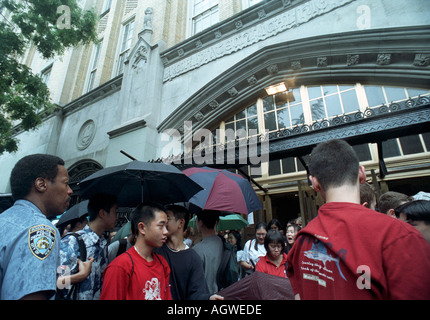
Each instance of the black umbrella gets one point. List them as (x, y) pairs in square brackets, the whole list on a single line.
[(259, 286), (77, 211), (138, 181)]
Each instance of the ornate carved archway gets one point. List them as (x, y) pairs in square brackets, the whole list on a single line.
[(79, 171)]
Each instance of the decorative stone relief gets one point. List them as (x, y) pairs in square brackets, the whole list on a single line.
[(383, 59), (213, 104), (296, 65), (147, 20), (261, 14), (272, 69), (322, 61), (252, 80), (422, 60), (352, 59), (199, 116), (233, 92), (86, 135), (141, 55)]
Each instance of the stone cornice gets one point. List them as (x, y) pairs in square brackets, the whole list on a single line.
[(396, 56), (94, 95), (242, 30)]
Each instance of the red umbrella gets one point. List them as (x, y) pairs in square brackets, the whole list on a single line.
[(223, 191), (259, 286)]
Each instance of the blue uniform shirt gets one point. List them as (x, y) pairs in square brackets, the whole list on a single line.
[(29, 252)]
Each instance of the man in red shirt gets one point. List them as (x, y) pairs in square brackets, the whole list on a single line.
[(139, 273), (348, 253)]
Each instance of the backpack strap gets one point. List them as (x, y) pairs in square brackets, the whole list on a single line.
[(74, 290), (81, 244), (132, 264), (122, 246)]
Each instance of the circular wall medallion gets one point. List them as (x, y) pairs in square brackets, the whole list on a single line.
[(86, 135)]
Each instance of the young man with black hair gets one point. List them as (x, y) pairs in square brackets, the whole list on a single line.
[(187, 277), (102, 217), (348, 253), (29, 242), (139, 273), (210, 248)]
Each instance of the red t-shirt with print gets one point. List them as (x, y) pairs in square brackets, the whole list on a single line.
[(351, 252), (148, 281)]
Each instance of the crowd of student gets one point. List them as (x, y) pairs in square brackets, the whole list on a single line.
[(349, 251)]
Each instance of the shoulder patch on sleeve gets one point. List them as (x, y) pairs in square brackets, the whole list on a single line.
[(41, 240)]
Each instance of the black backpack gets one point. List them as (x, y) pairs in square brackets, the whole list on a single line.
[(73, 291), (228, 272)]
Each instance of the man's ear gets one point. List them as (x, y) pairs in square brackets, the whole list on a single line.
[(40, 184), (315, 183), (391, 213), (361, 174), (181, 224), (141, 227)]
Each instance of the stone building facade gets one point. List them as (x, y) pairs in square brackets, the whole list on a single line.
[(170, 71)]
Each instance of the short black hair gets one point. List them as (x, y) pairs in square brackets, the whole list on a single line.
[(144, 212), (208, 217), (273, 236), (29, 168), (417, 210), (334, 163), (100, 201), (180, 212)]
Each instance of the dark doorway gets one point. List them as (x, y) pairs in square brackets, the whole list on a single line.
[(285, 207)]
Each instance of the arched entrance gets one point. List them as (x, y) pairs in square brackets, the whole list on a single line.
[(79, 171)]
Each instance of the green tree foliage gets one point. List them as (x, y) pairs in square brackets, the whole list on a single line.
[(50, 25)]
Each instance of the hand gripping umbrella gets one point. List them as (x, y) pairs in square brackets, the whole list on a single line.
[(223, 191), (138, 181)]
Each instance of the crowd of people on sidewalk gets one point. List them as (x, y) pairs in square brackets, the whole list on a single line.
[(359, 246)]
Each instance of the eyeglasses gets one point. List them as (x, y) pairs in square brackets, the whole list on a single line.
[(275, 246)]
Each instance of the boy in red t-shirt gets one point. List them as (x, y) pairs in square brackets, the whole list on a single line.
[(139, 273), (348, 252)]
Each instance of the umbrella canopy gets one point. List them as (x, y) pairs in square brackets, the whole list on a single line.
[(229, 222), (138, 181), (123, 232), (223, 191), (77, 211), (259, 286)]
